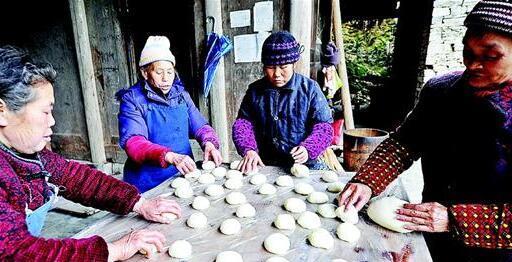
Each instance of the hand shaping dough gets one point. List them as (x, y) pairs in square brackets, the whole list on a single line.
[(348, 232), (383, 212), (299, 170), (228, 256), (318, 198), (329, 176), (295, 205), (230, 226), (234, 164), (349, 216), (285, 222), (277, 243), (179, 182), (193, 175), (236, 198), (206, 178), (335, 187), (148, 253), (309, 220), (233, 183), (219, 172), (200, 203), (169, 216), (258, 179), (208, 165), (321, 238), (197, 220), (245, 210), (214, 190), (267, 189), (284, 181), (180, 249), (184, 192), (303, 188), (327, 210)]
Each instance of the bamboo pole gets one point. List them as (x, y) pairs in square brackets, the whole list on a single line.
[(300, 28)]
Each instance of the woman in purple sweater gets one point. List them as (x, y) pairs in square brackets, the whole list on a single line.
[(284, 117)]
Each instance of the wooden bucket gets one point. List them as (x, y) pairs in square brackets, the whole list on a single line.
[(358, 144)]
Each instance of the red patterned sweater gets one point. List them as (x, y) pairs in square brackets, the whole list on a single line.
[(22, 182)]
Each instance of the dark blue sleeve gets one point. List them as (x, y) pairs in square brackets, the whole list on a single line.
[(319, 111), (246, 107), (131, 120), (195, 119)]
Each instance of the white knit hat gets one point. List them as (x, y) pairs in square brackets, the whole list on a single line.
[(157, 48)]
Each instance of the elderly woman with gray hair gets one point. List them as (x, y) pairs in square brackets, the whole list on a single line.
[(31, 177)]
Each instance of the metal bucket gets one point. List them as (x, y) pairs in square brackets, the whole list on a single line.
[(358, 144)]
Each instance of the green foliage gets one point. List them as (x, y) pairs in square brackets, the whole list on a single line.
[(368, 54)]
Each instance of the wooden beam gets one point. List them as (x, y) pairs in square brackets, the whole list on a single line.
[(218, 91), (88, 81), (300, 27)]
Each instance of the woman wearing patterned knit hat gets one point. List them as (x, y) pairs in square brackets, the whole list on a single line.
[(461, 128), (284, 117), (156, 116)]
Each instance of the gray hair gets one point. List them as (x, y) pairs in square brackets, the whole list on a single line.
[(18, 75)]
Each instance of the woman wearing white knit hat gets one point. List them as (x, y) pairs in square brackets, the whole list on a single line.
[(156, 117)]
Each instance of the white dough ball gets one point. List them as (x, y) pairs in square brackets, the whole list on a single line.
[(180, 249), (348, 232), (383, 212), (200, 203), (350, 216), (309, 220), (148, 253), (327, 210), (329, 176), (208, 165), (267, 189), (169, 216), (277, 243), (206, 178), (285, 222), (219, 172), (230, 226), (318, 198), (234, 174), (321, 238), (197, 220), (299, 170), (184, 192), (284, 181), (234, 164), (228, 256), (245, 210), (277, 259), (179, 182), (193, 175), (295, 205), (236, 198), (335, 187), (303, 188), (214, 190), (258, 179), (233, 183)]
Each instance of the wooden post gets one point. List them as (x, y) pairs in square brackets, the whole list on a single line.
[(218, 91), (88, 81), (300, 27), (342, 67)]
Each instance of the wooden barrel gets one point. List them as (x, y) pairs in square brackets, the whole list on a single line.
[(358, 144)]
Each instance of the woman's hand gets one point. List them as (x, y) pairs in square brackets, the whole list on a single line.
[(250, 162), (428, 217), (355, 194), (211, 152), (130, 244), (299, 154), (183, 163), (157, 209)]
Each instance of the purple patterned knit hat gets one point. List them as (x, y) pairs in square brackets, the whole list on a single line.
[(492, 15), (280, 48)]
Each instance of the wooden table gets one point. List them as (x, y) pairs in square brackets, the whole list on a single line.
[(375, 244)]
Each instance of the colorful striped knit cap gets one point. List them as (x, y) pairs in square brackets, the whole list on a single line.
[(493, 15), (280, 48)]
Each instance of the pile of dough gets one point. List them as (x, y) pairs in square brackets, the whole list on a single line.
[(193, 175), (233, 183), (200, 203), (327, 210), (284, 181), (383, 212), (234, 174), (277, 243), (303, 188), (180, 249), (219, 172), (206, 178), (277, 259), (267, 189), (295, 205), (208, 165), (335, 187), (148, 253), (348, 232), (299, 170), (197, 220), (228, 256), (245, 210), (258, 179), (179, 182), (230, 226), (169, 216), (350, 216), (318, 198), (329, 176), (234, 164), (236, 198), (214, 190), (309, 220), (321, 238), (184, 192), (285, 222)]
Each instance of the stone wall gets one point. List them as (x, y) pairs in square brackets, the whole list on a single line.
[(445, 47)]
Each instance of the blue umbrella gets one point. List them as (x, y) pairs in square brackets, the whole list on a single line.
[(218, 46)]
